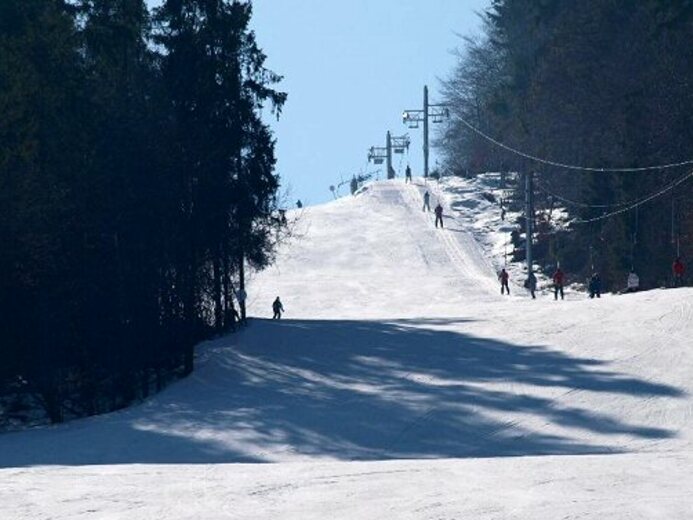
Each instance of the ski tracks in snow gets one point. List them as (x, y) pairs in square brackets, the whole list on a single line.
[(468, 261)]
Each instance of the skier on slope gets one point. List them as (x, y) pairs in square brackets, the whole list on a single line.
[(503, 277), (531, 284), (678, 269), (633, 282), (595, 286), (558, 279), (439, 215), (278, 308), (427, 202), (407, 174)]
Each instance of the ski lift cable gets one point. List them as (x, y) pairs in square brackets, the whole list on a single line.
[(569, 166), (564, 165), (639, 203), (583, 204)]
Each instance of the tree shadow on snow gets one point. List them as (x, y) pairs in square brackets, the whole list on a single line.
[(357, 390)]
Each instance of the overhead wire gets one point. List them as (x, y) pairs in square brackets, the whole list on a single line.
[(642, 201), (626, 205), (582, 204), (559, 164)]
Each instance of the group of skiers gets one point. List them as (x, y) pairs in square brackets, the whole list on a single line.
[(438, 210), (531, 283), (594, 285), (558, 283)]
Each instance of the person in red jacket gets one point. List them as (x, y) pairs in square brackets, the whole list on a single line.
[(678, 269), (558, 279), (503, 277)]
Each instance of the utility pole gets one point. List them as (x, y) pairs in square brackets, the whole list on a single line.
[(388, 147), (425, 130), (412, 118), (396, 144), (529, 218)]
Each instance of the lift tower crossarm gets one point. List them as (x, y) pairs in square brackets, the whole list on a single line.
[(438, 112), (378, 154)]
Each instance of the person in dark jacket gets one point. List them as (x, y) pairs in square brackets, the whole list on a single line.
[(504, 277), (531, 284), (278, 308), (407, 174), (427, 202), (439, 215), (595, 286), (558, 280), (354, 185)]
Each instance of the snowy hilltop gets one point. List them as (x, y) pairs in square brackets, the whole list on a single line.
[(399, 383)]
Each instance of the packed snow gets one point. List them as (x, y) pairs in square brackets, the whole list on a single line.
[(399, 384)]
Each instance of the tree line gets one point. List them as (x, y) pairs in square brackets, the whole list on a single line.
[(603, 83), (137, 182)]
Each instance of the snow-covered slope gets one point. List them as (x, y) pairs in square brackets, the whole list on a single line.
[(376, 255), (399, 385)]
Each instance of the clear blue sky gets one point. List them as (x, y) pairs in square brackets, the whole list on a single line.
[(350, 68)]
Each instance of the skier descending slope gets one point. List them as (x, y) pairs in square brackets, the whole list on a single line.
[(531, 284), (558, 279), (503, 277), (595, 286), (427, 203), (278, 308), (439, 214)]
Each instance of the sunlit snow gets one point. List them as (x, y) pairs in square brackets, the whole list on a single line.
[(399, 384)]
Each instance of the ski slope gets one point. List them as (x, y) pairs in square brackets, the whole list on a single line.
[(400, 384)]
